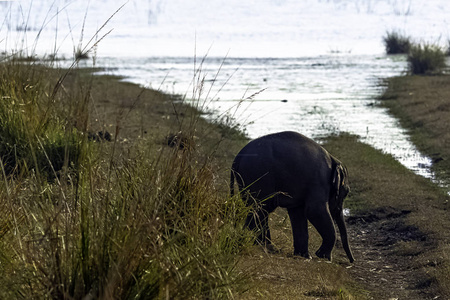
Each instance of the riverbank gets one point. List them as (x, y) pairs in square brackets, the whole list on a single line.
[(422, 105), (400, 251), (153, 117)]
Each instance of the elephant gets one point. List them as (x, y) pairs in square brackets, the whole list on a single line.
[(289, 170)]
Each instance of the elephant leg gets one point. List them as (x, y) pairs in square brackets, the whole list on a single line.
[(320, 218), (299, 224)]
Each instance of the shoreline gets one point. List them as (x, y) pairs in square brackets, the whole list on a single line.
[(422, 105)]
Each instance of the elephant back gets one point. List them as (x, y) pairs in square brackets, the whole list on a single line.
[(273, 163)]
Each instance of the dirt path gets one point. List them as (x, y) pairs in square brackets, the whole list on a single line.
[(386, 250)]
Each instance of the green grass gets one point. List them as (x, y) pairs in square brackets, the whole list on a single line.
[(34, 134), (420, 103)]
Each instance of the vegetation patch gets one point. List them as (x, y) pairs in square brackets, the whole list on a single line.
[(130, 218), (426, 59), (34, 134)]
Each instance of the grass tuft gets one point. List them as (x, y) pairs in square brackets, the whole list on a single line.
[(34, 134), (425, 59), (396, 43)]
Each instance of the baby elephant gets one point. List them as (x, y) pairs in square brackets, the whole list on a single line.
[(290, 170)]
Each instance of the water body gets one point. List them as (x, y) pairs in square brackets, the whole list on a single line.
[(311, 66)]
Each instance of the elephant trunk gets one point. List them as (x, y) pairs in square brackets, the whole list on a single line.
[(343, 231)]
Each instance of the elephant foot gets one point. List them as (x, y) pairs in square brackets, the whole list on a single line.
[(322, 254), (302, 254)]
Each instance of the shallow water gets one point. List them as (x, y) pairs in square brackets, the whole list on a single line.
[(312, 66), (313, 95)]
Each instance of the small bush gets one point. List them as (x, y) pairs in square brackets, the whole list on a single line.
[(395, 43), (426, 59)]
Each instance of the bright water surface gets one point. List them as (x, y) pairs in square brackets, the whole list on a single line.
[(312, 66)]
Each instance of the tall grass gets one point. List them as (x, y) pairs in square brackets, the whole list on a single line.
[(32, 136), (426, 59), (90, 220)]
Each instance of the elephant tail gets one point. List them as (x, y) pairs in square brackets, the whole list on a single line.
[(339, 179), (339, 191), (344, 238)]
